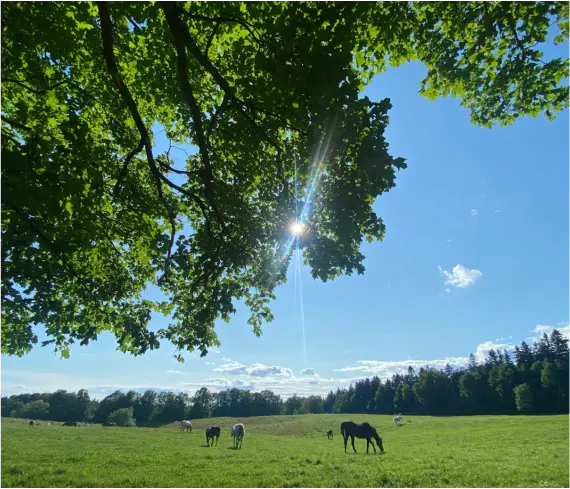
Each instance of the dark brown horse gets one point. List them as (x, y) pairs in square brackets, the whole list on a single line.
[(211, 433), (364, 430), (70, 423)]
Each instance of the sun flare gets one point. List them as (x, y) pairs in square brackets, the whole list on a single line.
[(297, 228)]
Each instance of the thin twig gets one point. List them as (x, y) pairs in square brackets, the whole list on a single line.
[(133, 23), (250, 28)]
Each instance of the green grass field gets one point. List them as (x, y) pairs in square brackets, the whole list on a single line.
[(292, 451)]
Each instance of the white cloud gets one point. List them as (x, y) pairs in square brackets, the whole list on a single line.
[(226, 359), (284, 386), (563, 328), (448, 240), (482, 350), (213, 350), (540, 329), (474, 212), (175, 372), (309, 371), (385, 369), (497, 211), (210, 363), (254, 370), (460, 276)]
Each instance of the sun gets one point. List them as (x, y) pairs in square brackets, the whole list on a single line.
[(297, 228)]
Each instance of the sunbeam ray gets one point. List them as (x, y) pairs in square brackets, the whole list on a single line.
[(302, 305)]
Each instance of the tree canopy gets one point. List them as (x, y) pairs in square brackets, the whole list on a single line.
[(269, 95)]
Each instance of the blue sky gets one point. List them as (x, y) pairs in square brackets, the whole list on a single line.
[(475, 256)]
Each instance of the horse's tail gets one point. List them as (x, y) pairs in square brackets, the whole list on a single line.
[(343, 430)]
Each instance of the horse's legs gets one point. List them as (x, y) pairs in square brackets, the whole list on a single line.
[(372, 443), (352, 441), (367, 445), (345, 436)]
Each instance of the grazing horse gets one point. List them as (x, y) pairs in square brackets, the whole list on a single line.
[(32, 422), (211, 433), (109, 424), (364, 430), (70, 423), (329, 434), (238, 432), (398, 419), (186, 425)]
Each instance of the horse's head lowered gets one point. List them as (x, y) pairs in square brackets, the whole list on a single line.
[(378, 441)]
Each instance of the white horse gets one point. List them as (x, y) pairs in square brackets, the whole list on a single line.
[(398, 419), (186, 425), (238, 432)]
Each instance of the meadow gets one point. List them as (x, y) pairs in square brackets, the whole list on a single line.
[(292, 451)]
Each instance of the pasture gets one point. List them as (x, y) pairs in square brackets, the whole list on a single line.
[(292, 451)]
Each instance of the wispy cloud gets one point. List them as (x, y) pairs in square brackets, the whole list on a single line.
[(460, 276), (175, 372), (474, 212), (213, 350), (385, 369), (503, 338)]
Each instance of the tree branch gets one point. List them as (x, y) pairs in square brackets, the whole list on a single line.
[(194, 197), (242, 22), (211, 38), (22, 84), (15, 124), (520, 44), (123, 174), (175, 170), (186, 39), (108, 53), (214, 119), (177, 30)]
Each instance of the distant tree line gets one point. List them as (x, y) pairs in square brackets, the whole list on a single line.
[(536, 382)]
